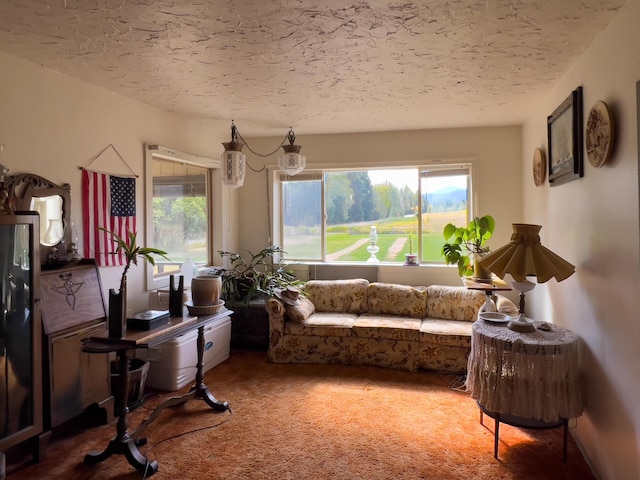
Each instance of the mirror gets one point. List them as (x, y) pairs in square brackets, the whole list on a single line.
[(51, 201), (51, 224)]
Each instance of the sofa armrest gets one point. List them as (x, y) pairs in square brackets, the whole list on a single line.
[(275, 309)]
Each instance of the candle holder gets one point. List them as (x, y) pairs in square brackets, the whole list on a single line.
[(373, 248)]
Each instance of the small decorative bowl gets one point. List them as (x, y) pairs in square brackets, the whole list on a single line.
[(495, 317), (204, 309)]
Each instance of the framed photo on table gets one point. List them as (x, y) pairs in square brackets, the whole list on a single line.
[(564, 136)]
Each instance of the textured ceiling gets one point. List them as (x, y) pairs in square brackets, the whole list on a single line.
[(318, 65)]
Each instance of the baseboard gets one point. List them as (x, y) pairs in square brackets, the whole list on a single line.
[(586, 457)]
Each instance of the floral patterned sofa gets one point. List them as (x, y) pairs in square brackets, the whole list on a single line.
[(390, 325)]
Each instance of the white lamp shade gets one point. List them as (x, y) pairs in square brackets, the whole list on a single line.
[(233, 168), (292, 163)]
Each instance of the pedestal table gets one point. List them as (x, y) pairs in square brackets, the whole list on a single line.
[(530, 380), (127, 443)]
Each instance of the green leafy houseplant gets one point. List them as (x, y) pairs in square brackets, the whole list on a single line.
[(411, 258), (118, 301), (132, 251), (463, 242), (253, 275)]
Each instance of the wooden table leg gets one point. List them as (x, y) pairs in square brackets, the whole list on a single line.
[(123, 443), (198, 391), (496, 438), (566, 440)]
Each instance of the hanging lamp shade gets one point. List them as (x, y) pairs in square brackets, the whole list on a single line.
[(291, 161), (524, 256), (233, 161)]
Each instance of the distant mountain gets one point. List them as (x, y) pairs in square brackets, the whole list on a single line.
[(447, 189), (449, 198)]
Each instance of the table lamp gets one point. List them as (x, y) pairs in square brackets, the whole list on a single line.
[(524, 256)]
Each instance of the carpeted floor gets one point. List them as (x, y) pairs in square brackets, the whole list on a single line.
[(299, 422)]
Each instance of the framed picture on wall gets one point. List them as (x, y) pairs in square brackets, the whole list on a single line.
[(564, 136)]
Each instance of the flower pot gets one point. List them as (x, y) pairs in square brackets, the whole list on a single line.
[(480, 273), (411, 259), (138, 371), (205, 289)]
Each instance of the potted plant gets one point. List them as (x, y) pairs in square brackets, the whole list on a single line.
[(253, 275), (411, 258), (118, 301), (247, 283), (463, 242)]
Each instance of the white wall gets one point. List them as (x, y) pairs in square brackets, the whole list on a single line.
[(593, 223), (51, 124), (493, 152)]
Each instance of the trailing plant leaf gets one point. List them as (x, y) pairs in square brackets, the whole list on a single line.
[(132, 251), (253, 275)]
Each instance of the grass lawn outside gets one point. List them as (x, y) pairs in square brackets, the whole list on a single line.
[(309, 247), (393, 234)]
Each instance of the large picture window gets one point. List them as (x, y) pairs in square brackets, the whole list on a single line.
[(327, 215)]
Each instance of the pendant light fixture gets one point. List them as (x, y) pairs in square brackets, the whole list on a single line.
[(234, 162), (291, 162)]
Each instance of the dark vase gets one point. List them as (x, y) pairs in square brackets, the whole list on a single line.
[(118, 311), (175, 296)]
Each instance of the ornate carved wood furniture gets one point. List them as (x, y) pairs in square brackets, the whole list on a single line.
[(21, 416), (32, 192), (47, 307), (72, 310)]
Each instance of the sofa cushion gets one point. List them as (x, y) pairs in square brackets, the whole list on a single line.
[(393, 327), (393, 299), (327, 324), (455, 333), (453, 303), (349, 296), (302, 310), (506, 306)]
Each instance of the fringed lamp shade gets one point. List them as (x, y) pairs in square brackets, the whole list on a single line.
[(524, 256)]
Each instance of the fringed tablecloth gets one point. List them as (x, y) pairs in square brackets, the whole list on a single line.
[(531, 375)]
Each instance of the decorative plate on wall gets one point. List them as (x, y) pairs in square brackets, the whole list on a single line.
[(600, 134), (539, 167)]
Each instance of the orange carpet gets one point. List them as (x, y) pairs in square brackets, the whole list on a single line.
[(301, 422)]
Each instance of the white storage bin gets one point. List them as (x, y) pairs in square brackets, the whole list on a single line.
[(172, 364)]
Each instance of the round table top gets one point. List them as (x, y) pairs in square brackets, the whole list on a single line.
[(556, 335)]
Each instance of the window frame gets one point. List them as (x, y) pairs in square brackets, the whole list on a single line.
[(159, 152), (307, 175), (442, 168)]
